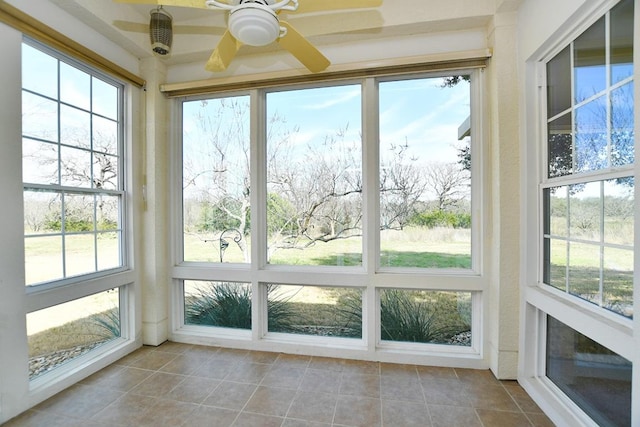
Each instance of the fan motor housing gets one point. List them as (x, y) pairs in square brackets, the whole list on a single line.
[(160, 32), (254, 24)]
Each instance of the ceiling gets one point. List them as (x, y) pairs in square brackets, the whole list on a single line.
[(197, 31)]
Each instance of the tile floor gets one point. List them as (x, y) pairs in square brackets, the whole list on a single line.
[(186, 385)]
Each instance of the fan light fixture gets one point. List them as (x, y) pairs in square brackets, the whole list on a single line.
[(255, 22), (160, 31)]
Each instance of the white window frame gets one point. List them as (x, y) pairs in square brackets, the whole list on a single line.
[(48, 294), (369, 277), (538, 299)]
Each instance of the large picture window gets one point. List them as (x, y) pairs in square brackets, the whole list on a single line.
[(327, 214)]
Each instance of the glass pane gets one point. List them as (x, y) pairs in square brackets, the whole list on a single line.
[(75, 127), (80, 254), (61, 333), (591, 136), (39, 162), (585, 211), (621, 24), (39, 117), (107, 212), (105, 99), (619, 211), (425, 174), (589, 59), (215, 180), (557, 211), (75, 86), (555, 266), (314, 176), (105, 135), (75, 167), (559, 83), (43, 259), (223, 304), (586, 372), (39, 72), (105, 171), (42, 212), (315, 310), (560, 146), (425, 316), (622, 122), (108, 250), (618, 281), (78, 213), (584, 271)]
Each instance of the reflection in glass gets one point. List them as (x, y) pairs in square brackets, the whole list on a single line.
[(315, 310), (215, 180), (589, 59), (221, 304), (591, 136), (585, 211), (39, 162), (560, 146), (621, 24), (75, 127), (622, 126), (39, 117), (75, 86), (64, 332), (314, 176), (429, 317), (555, 266), (104, 98), (595, 378), (39, 72), (425, 174), (619, 211), (559, 83), (584, 271), (617, 279)]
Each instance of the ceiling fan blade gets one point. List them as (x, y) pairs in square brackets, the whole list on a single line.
[(138, 27), (306, 6), (304, 51), (180, 3), (223, 54)]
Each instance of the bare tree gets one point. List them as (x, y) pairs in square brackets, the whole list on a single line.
[(449, 183)]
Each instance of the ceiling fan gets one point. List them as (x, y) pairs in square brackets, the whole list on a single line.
[(254, 23)]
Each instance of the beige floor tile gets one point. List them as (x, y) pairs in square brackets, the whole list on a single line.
[(193, 389), (293, 361), (153, 360), (291, 422), (502, 418), (321, 381), (230, 395), (361, 367), (270, 401), (313, 406), (209, 416), (248, 372), (445, 392), (492, 397), (80, 401), (540, 420), (326, 363), (453, 416), (159, 384), (358, 411), (407, 414), (123, 379), (246, 419), (398, 370), (401, 388), (284, 377), (360, 385)]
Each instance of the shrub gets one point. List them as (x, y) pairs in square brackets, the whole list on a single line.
[(440, 218)]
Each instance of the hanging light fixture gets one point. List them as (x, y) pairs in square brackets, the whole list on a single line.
[(160, 31)]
